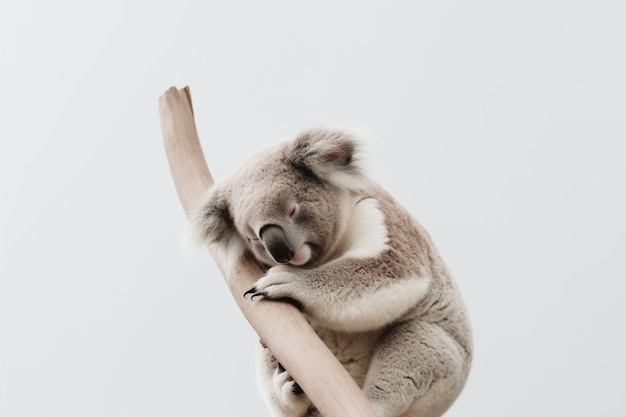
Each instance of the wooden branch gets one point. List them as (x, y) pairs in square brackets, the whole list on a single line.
[(281, 326)]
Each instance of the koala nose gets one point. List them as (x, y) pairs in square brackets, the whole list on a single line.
[(276, 243)]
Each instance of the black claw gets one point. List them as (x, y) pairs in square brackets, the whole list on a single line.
[(296, 390), (250, 291), (258, 294)]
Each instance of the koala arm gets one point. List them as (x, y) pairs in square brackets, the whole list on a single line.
[(374, 282)]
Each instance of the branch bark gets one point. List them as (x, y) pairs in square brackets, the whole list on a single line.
[(281, 326)]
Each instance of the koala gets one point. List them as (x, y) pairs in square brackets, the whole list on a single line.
[(362, 270)]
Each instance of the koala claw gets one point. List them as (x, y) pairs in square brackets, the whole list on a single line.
[(296, 390), (253, 292)]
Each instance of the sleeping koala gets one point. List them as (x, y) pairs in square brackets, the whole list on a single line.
[(364, 273)]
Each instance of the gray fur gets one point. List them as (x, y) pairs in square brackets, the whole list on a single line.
[(366, 274)]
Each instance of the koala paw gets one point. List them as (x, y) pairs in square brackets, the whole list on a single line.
[(280, 283), (288, 392), (284, 383)]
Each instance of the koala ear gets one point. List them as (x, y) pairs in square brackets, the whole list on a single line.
[(329, 154), (212, 222)]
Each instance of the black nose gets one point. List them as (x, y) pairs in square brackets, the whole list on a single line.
[(276, 243)]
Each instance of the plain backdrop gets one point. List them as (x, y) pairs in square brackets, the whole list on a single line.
[(499, 124)]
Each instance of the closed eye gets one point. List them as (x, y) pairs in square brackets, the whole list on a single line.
[(293, 211)]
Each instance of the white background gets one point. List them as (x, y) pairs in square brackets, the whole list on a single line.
[(500, 124)]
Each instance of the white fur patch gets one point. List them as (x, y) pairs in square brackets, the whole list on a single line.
[(368, 233), (227, 256), (373, 310), (346, 180)]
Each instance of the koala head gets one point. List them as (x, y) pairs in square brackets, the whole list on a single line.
[(286, 204)]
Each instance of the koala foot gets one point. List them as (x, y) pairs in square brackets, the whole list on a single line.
[(283, 382), (288, 393)]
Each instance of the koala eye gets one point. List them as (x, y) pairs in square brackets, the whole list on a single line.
[(293, 211)]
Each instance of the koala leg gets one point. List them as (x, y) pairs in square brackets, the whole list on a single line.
[(417, 370), (281, 393)]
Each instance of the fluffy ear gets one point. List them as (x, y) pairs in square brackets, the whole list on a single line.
[(330, 154), (213, 225), (212, 222)]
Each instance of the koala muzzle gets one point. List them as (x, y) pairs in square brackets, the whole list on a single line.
[(276, 243)]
